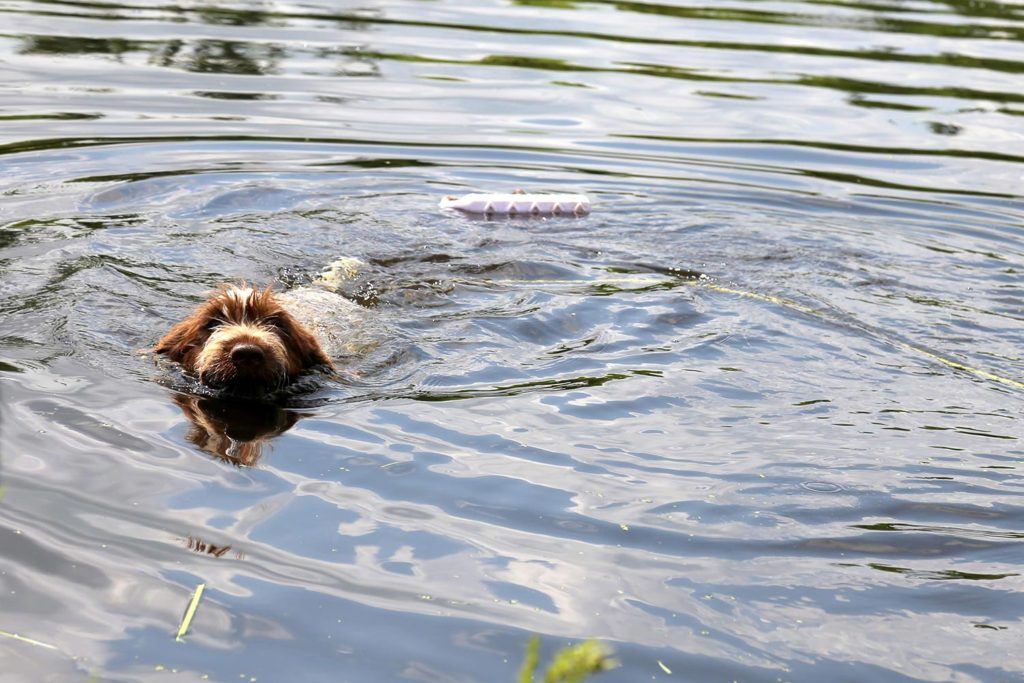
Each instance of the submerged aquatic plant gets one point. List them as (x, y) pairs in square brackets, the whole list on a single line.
[(570, 665)]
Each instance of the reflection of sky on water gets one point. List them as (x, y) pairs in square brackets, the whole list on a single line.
[(773, 471)]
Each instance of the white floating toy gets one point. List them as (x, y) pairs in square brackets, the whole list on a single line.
[(520, 204)]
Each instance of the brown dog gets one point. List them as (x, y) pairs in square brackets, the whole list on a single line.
[(242, 341)]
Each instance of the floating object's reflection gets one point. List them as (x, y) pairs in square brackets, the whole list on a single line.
[(236, 431), (203, 547)]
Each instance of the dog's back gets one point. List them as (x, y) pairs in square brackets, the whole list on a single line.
[(344, 329)]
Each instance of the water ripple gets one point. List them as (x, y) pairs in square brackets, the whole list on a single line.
[(756, 417)]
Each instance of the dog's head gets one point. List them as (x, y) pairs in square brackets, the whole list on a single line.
[(241, 340)]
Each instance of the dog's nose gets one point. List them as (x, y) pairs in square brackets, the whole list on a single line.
[(247, 355)]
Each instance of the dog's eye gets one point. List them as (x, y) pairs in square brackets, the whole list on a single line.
[(212, 324)]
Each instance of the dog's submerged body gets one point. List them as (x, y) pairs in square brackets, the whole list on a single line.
[(253, 342)]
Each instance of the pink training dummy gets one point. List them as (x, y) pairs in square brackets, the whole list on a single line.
[(512, 204)]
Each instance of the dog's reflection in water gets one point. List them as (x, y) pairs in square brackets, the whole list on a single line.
[(234, 430)]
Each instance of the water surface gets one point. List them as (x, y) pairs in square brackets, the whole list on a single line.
[(758, 417)]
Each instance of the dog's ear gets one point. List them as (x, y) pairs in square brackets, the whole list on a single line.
[(304, 347), (183, 337), (304, 351)]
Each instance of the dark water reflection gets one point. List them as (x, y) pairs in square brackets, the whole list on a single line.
[(757, 417), (237, 431)]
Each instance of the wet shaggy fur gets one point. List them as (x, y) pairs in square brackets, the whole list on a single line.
[(243, 341)]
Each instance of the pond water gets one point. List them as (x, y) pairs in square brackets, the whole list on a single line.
[(758, 417)]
